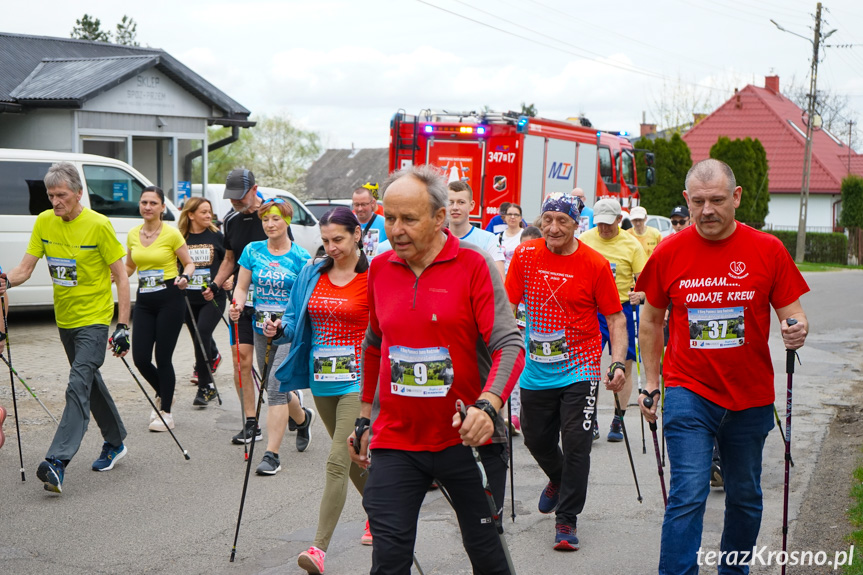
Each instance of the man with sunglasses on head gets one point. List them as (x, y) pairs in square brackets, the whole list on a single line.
[(365, 203)]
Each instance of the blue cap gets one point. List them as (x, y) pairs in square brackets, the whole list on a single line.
[(563, 203)]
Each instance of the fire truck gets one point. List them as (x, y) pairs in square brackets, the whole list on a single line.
[(513, 158)]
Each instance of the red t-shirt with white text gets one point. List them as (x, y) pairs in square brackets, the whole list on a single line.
[(721, 293)]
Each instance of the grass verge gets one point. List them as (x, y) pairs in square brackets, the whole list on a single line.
[(855, 515), (810, 267)]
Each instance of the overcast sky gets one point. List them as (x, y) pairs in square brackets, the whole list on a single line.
[(344, 68)]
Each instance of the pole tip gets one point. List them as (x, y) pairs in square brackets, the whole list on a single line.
[(640, 500), (186, 455)]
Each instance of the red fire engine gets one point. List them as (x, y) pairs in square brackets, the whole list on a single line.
[(512, 158)]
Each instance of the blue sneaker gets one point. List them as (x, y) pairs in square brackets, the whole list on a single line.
[(50, 472), (615, 432), (565, 540), (550, 498), (110, 456)]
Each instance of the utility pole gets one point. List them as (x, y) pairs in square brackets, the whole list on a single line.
[(850, 130)]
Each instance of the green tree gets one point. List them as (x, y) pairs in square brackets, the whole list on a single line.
[(672, 160), (749, 161), (127, 32), (222, 160), (282, 153), (528, 110), (852, 202), (90, 28)]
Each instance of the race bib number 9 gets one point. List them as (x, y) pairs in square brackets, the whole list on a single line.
[(716, 328), (548, 347), (150, 281), (262, 312), (334, 363), (200, 277), (425, 372), (64, 272)]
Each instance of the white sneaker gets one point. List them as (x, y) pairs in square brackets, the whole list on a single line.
[(157, 425), (153, 415)]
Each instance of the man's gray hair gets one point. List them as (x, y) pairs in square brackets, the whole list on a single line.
[(428, 175), (708, 170), (63, 174)]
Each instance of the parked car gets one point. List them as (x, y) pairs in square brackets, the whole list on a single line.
[(111, 187), (304, 225), (320, 207), (661, 223)]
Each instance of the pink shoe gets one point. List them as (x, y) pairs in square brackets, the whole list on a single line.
[(312, 561), (516, 425), (367, 538), (3, 440)]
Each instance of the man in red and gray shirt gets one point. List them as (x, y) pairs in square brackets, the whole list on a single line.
[(439, 315)]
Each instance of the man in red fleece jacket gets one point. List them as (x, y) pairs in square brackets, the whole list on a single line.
[(439, 318)]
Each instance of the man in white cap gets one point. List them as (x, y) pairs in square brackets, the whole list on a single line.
[(648, 237), (627, 259)]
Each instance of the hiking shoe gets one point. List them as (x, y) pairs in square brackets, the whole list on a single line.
[(210, 394), (157, 425), (304, 431), (515, 424), (565, 539), (595, 430), (367, 538), (312, 561), (292, 425), (615, 432), (716, 475), (2, 419), (550, 498), (251, 432), (217, 361), (201, 398), (110, 455), (50, 472), (194, 378), (269, 465)]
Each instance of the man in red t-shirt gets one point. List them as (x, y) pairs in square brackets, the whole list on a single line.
[(440, 330), (719, 275)]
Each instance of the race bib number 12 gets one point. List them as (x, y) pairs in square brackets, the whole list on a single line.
[(716, 328), (64, 272), (424, 372)]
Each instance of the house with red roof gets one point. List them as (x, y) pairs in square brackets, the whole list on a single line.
[(777, 122)]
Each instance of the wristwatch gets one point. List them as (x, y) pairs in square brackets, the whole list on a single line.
[(487, 407), (185, 276), (650, 394), (613, 366)]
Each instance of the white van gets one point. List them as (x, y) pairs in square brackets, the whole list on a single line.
[(111, 187), (304, 225)]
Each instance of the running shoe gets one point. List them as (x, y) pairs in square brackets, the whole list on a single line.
[(201, 398), (50, 472), (210, 394), (615, 432), (565, 539), (2, 419), (312, 561), (269, 465), (194, 378), (304, 431), (515, 423), (153, 415), (716, 475), (595, 430), (157, 425), (550, 498), (217, 361), (367, 538), (251, 432), (110, 455), (292, 425)]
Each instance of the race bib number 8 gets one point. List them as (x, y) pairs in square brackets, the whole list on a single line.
[(200, 277), (548, 347), (716, 328), (151, 281), (64, 272), (425, 372), (334, 363)]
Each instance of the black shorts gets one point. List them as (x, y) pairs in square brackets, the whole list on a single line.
[(244, 328)]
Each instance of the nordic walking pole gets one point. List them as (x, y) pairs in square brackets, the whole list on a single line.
[(156, 409), (662, 401), (221, 313), (240, 380), (790, 356), (24, 383), (511, 471), (201, 345), (648, 403), (267, 363), (638, 370), (619, 412), (462, 411), (12, 381), (781, 432)]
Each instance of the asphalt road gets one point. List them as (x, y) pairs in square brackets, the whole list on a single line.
[(157, 513)]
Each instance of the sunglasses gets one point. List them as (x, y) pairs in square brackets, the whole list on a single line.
[(275, 201), (678, 222)]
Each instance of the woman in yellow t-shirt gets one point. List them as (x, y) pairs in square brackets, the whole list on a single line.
[(153, 249)]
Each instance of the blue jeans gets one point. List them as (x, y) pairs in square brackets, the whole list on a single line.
[(691, 424)]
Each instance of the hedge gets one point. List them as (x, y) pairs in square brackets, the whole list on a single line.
[(821, 248)]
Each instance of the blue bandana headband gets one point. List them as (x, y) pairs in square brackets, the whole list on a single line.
[(563, 203)]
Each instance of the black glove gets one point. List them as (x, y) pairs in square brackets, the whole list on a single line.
[(120, 340)]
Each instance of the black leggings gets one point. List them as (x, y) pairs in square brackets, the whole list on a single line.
[(157, 322), (207, 318)]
